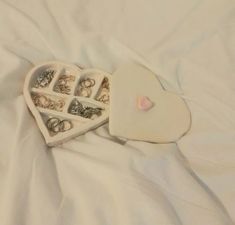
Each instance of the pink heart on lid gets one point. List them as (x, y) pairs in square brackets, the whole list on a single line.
[(144, 103)]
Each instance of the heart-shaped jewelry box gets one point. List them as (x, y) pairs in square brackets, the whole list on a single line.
[(140, 109), (68, 101), (65, 100)]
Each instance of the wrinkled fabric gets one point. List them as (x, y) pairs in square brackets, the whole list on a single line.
[(97, 179)]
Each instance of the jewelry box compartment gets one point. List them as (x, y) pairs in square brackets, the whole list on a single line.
[(65, 81), (43, 100), (89, 83), (87, 109), (43, 77), (103, 92), (57, 125)]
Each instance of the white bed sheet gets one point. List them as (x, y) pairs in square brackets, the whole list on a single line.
[(96, 179)]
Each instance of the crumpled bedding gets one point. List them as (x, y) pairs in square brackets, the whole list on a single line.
[(97, 179)]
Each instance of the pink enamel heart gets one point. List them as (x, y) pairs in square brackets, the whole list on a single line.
[(144, 103)]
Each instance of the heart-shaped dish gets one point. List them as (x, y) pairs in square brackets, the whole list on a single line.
[(66, 101)]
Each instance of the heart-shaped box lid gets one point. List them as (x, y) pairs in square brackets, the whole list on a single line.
[(140, 109)]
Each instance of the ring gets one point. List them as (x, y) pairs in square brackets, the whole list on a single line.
[(88, 82), (64, 125), (56, 125), (85, 92), (52, 123), (104, 98), (85, 86)]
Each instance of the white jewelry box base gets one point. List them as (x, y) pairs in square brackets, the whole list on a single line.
[(41, 115)]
